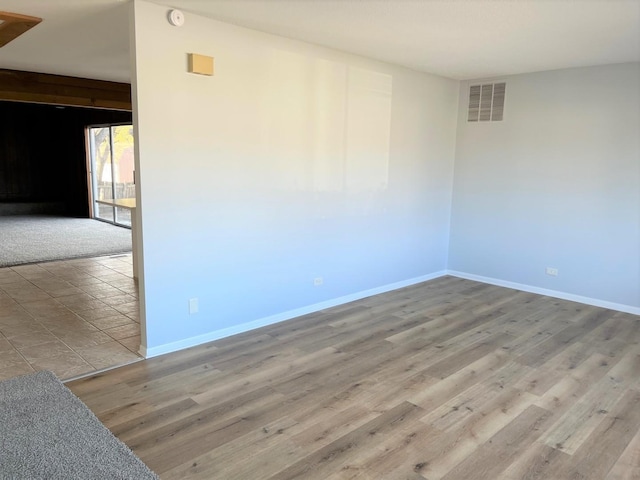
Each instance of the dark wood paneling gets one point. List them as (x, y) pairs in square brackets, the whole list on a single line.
[(43, 154)]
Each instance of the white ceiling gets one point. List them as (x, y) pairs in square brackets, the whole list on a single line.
[(81, 38), (456, 38)]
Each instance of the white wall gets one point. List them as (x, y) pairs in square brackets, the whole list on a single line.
[(292, 162), (557, 183)]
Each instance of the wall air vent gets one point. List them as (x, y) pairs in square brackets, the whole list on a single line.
[(486, 102)]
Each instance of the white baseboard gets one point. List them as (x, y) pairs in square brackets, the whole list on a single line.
[(280, 317), (549, 293)]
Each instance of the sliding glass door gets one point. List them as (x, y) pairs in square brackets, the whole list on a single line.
[(112, 171)]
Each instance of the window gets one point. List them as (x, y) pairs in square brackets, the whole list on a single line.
[(112, 171)]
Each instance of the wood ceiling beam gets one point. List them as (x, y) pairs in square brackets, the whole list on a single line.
[(13, 25), (33, 87)]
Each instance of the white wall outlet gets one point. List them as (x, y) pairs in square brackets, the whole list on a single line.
[(551, 271), (193, 306), (317, 281)]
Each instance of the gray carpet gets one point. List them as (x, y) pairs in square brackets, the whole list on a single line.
[(32, 239), (46, 432)]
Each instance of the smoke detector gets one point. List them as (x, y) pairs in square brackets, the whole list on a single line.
[(176, 18)]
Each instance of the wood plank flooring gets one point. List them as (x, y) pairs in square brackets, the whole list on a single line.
[(450, 379)]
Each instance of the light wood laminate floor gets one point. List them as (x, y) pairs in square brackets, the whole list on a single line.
[(449, 379)]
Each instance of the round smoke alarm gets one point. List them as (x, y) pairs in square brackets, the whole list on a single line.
[(176, 18)]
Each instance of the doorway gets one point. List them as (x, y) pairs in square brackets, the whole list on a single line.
[(65, 314)]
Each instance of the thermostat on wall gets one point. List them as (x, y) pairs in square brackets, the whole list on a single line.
[(176, 18)]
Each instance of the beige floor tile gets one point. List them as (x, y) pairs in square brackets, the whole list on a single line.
[(9, 308), (5, 345), (102, 290), (123, 331), (76, 299), (31, 339), (30, 296), (31, 272), (41, 351), (97, 313), (62, 292), (8, 276), (132, 343), (10, 358), (22, 327), (90, 305), (109, 354), (45, 308), (15, 370), (65, 366), (13, 314), (124, 270), (57, 287), (113, 275), (17, 285), (95, 269), (46, 312), (8, 303), (51, 283), (124, 283), (127, 308), (68, 322), (81, 280), (77, 340), (121, 299), (37, 276), (57, 266), (130, 290), (4, 297), (112, 321)]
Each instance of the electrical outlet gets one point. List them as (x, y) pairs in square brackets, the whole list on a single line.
[(317, 281), (193, 306), (551, 271)]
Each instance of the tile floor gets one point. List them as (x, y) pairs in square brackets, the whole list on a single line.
[(71, 317)]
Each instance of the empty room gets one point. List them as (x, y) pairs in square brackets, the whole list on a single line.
[(373, 240), (47, 231)]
